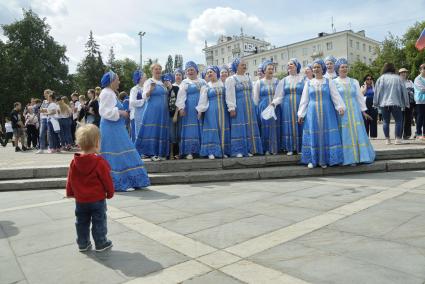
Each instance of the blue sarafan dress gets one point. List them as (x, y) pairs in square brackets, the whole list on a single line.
[(264, 92), (187, 99), (216, 123), (355, 141), (244, 133), (321, 142), (127, 169), (153, 137), (292, 132)]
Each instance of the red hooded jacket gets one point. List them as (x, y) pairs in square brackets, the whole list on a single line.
[(89, 179)]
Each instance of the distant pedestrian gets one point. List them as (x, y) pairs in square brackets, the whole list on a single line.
[(392, 98), (32, 125), (420, 103), (9, 132), (90, 183), (18, 127), (368, 91), (408, 112)]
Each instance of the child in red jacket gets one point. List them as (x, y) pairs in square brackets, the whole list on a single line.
[(89, 182)]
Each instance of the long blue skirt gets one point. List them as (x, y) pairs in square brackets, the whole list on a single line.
[(127, 169), (355, 141), (216, 129), (191, 128), (244, 132), (269, 129), (291, 130), (321, 143), (153, 137)]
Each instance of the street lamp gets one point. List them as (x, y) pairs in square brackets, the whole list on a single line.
[(141, 34)]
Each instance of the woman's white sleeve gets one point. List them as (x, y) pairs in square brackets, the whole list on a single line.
[(336, 97), (181, 96), (230, 94), (302, 109), (278, 94), (133, 101), (360, 98), (203, 102), (256, 92), (107, 108)]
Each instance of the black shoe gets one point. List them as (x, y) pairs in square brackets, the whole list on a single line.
[(105, 246), (86, 248), (24, 148), (17, 149)]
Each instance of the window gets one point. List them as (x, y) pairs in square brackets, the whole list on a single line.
[(319, 47), (358, 57), (222, 50), (314, 48), (357, 45), (229, 48), (370, 60), (329, 45), (364, 59), (216, 52), (229, 59), (351, 43), (216, 62), (274, 58), (255, 62), (255, 73), (294, 53), (282, 55), (351, 56), (305, 51), (222, 60), (364, 46), (370, 48)]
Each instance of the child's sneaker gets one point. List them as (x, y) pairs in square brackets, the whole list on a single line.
[(105, 246), (86, 248)]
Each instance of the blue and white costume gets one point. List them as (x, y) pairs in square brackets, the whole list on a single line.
[(332, 75), (127, 169), (355, 141), (136, 103)]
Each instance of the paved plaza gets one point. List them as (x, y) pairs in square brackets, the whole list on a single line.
[(366, 228)]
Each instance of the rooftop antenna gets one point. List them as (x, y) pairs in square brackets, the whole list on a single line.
[(333, 26), (241, 31)]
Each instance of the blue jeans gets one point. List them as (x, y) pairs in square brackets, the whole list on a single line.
[(94, 213), (53, 137), (398, 117), (43, 134), (65, 133)]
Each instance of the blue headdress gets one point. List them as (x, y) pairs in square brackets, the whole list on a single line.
[(235, 64), (330, 58), (179, 70), (137, 75), (321, 63), (260, 67), (309, 66), (168, 77), (297, 64), (215, 69), (339, 62), (192, 64), (225, 67), (107, 79), (265, 64)]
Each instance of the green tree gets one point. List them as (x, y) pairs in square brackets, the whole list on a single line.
[(279, 75), (147, 67), (414, 57), (31, 61), (125, 70), (111, 59), (169, 65), (178, 61), (391, 51), (359, 69), (91, 69)]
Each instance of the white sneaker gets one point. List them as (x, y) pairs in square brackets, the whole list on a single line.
[(310, 165), (267, 153), (290, 153), (40, 151), (250, 155), (225, 156), (155, 159), (388, 142), (211, 157), (239, 155), (189, 157), (130, 189), (324, 167), (398, 141)]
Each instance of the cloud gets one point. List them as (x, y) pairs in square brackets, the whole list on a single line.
[(49, 7), (214, 22)]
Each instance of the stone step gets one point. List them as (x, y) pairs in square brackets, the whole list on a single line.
[(185, 166), (291, 171)]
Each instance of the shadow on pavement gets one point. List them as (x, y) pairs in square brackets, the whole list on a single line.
[(130, 264), (8, 229), (147, 194)]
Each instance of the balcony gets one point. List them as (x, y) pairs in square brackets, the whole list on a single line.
[(317, 54)]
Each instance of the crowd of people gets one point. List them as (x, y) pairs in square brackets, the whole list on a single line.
[(319, 113)]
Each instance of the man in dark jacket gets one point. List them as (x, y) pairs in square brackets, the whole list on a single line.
[(18, 127)]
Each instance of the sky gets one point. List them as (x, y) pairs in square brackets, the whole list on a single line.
[(181, 27)]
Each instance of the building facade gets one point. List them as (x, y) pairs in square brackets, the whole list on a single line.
[(354, 46)]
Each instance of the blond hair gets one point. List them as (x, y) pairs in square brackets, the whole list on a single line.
[(87, 136), (154, 65), (82, 97)]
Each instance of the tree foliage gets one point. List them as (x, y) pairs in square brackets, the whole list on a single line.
[(169, 65), (31, 61), (178, 61)]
